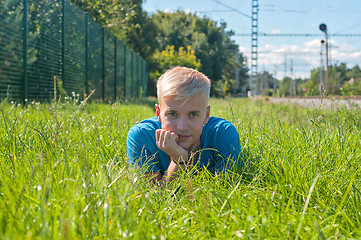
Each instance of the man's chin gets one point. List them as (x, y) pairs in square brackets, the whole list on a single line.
[(188, 146), (185, 145)]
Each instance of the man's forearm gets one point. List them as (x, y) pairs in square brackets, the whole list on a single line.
[(173, 168), (171, 172)]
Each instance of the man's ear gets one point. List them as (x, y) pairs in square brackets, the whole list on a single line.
[(208, 111), (157, 110)]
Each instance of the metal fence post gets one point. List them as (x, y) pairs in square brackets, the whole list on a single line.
[(86, 54), (145, 78), (103, 64), (125, 71), (63, 29), (24, 94), (131, 74), (115, 67), (138, 86)]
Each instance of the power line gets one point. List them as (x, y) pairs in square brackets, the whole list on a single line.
[(298, 35), (233, 9), (285, 10), (356, 25), (219, 11)]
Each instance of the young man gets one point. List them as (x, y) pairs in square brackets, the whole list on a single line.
[(183, 133)]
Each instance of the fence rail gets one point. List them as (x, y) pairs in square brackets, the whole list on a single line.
[(51, 47)]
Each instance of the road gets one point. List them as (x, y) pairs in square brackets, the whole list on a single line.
[(327, 103)]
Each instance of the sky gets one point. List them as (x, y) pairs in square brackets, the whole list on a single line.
[(284, 56)]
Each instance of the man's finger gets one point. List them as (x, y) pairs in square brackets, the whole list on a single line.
[(174, 136), (160, 137), (163, 138), (157, 134), (167, 135)]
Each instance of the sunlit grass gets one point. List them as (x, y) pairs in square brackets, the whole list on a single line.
[(64, 174)]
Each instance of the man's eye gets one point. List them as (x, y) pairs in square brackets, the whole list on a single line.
[(193, 114), (171, 114)]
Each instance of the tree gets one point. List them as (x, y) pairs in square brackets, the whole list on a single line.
[(313, 84), (126, 20), (11, 48), (284, 87), (352, 87), (342, 81), (169, 58), (11, 57), (147, 35), (210, 41)]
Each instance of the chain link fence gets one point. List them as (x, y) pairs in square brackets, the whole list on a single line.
[(52, 48)]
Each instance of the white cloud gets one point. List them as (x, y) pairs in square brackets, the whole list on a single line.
[(313, 44), (188, 11), (305, 57), (275, 31), (243, 49), (168, 10)]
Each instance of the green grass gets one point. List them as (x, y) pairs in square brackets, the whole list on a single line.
[(64, 175)]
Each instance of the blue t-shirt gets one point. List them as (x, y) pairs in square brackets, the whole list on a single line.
[(220, 146)]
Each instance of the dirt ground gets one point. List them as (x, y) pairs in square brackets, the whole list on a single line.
[(327, 103)]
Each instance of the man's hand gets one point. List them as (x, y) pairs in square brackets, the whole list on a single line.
[(167, 142)]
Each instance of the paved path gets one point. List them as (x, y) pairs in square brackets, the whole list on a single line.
[(316, 102)]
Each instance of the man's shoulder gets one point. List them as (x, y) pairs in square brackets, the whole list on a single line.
[(217, 122), (219, 133), (218, 128), (147, 125)]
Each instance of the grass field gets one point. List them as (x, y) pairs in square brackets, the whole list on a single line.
[(64, 175)]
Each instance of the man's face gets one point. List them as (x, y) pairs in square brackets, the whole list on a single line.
[(184, 119)]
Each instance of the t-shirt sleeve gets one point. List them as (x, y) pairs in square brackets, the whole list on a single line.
[(229, 153), (140, 151)]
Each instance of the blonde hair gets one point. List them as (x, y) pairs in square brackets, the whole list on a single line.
[(183, 83)]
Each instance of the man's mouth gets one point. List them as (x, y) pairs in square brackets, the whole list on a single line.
[(183, 137)]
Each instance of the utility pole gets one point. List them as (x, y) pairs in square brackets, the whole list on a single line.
[(236, 76), (291, 82), (266, 84), (321, 67), (262, 81), (285, 66), (275, 81), (254, 53), (254, 36), (339, 83), (323, 28)]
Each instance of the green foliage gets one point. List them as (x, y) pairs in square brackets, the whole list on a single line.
[(11, 47), (333, 85), (353, 85), (341, 81), (313, 86), (265, 83), (126, 20), (218, 54), (170, 57), (64, 175), (110, 13), (284, 88), (299, 87), (147, 35), (59, 88)]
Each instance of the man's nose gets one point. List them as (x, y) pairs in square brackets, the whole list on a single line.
[(182, 124)]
